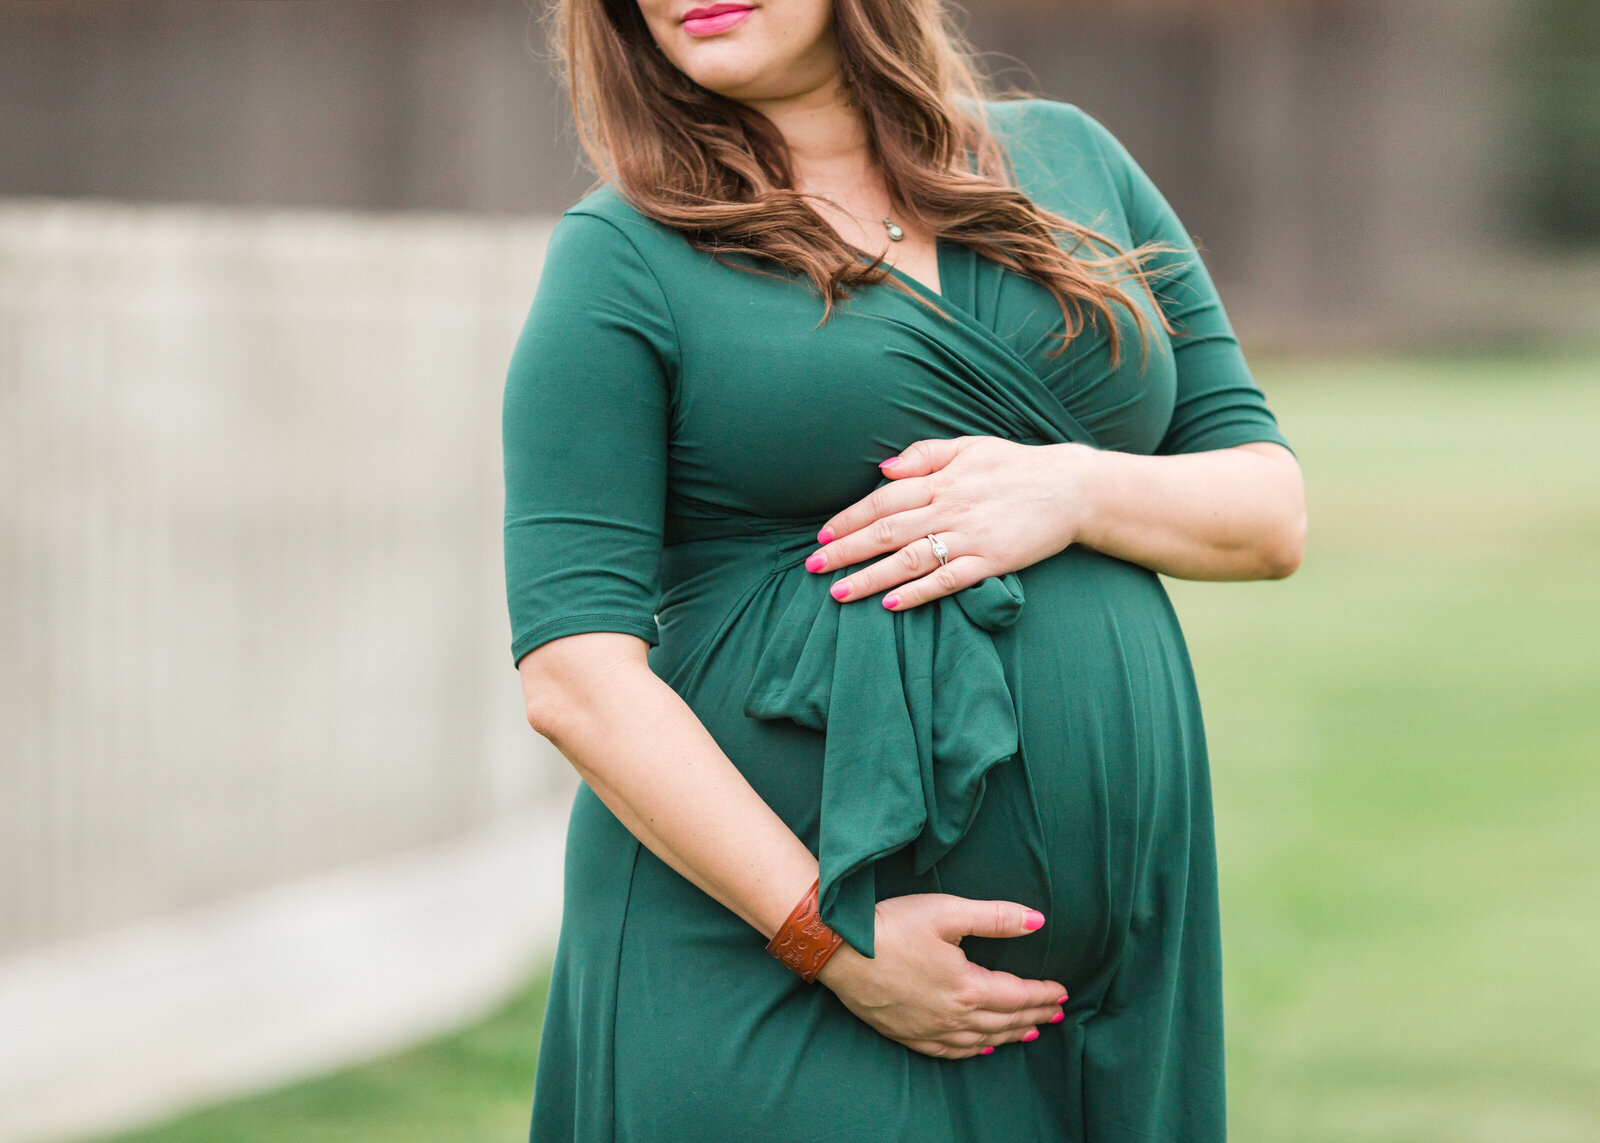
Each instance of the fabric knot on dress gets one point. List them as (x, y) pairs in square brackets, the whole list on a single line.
[(916, 711)]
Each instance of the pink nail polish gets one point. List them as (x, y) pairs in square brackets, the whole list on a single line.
[(840, 589), (1030, 1035), (891, 601), (815, 562), (1033, 920), (1063, 1000), (1058, 1017), (825, 536), (890, 463), (986, 1051)]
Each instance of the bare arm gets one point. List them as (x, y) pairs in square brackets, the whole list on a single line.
[(1231, 514), (998, 506), (653, 763)]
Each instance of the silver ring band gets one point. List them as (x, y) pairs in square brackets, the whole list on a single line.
[(940, 552)]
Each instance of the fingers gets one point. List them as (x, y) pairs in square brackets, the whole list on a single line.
[(888, 520), (905, 534), (917, 562), (923, 457), (993, 1027), (930, 997), (1003, 992), (919, 459), (941, 1051), (959, 917), (871, 525), (964, 1045), (961, 572)]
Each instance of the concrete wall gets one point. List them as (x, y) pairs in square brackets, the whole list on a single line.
[(252, 620), (268, 803)]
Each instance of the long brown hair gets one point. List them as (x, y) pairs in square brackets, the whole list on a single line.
[(720, 172)]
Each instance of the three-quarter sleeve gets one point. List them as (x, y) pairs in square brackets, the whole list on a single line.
[(584, 424), (1218, 402)]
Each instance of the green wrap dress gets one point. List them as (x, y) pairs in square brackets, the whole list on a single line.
[(676, 430)]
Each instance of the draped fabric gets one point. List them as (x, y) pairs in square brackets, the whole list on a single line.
[(913, 726), (915, 704), (676, 431)]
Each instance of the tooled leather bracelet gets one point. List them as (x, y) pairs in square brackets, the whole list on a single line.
[(805, 942)]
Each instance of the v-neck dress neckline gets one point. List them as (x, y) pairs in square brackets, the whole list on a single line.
[(942, 255)]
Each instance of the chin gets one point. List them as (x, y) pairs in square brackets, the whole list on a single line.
[(752, 83), (735, 77), (746, 70)]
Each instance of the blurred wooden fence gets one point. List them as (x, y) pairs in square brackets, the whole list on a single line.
[(1358, 170), (251, 618)]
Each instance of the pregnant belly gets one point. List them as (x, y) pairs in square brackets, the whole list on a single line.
[(1110, 786), (1110, 766)]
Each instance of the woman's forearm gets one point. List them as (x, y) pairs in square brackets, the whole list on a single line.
[(652, 762), (1232, 514), (999, 506)]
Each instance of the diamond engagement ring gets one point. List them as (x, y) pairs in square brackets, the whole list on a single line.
[(940, 552)]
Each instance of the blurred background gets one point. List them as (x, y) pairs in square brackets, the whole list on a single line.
[(279, 858)]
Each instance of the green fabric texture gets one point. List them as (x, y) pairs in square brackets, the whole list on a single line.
[(676, 430), (913, 726)]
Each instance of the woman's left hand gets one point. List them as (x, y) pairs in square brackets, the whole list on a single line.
[(996, 505)]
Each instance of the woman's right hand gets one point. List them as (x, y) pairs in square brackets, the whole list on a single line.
[(922, 991)]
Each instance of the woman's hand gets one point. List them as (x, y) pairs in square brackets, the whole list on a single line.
[(922, 991), (996, 505), (1227, 514)]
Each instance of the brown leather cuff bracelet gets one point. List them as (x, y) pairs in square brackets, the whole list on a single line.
[(804, 942)]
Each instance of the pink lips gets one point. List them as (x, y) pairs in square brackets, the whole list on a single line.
[(714, 18)]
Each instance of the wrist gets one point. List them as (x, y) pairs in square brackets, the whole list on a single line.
[(805, 943), (842, 968), (779, 893), (1085, 482)]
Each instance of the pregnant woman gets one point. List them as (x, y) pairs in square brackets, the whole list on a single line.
[(855, 417)]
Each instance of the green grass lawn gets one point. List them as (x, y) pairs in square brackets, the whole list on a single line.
[(471, 1087), (1406, 749)]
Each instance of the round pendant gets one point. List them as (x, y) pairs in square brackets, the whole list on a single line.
[(895, 233)]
